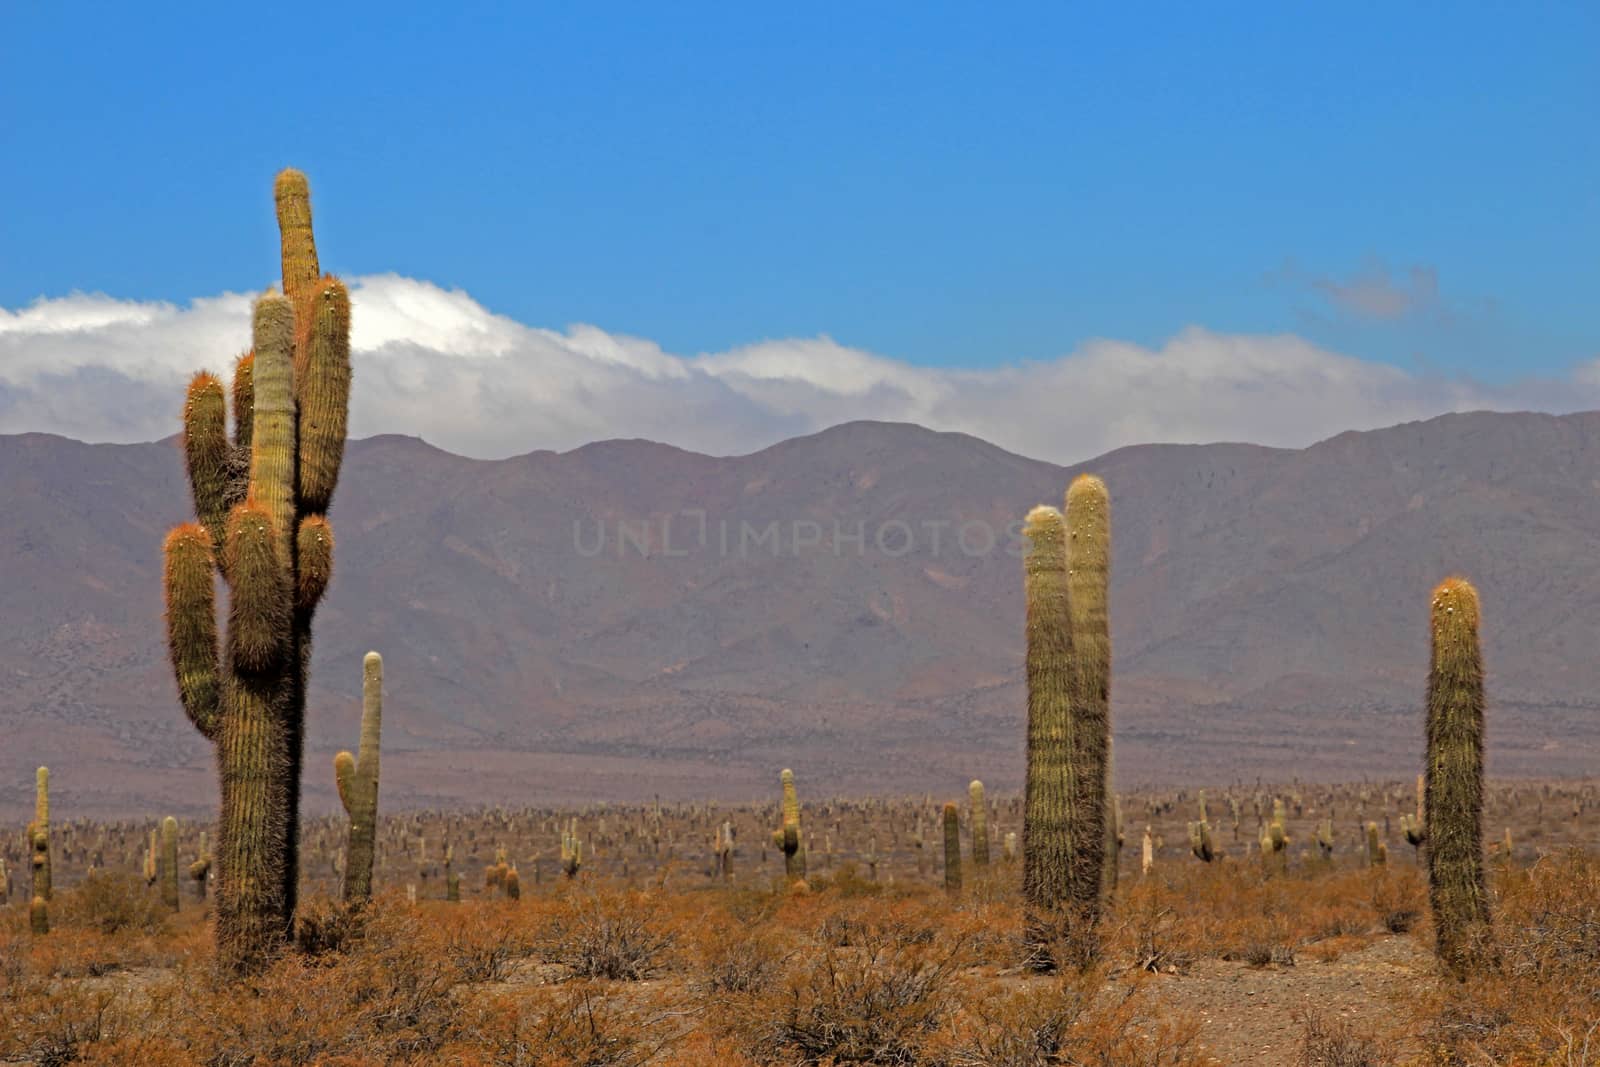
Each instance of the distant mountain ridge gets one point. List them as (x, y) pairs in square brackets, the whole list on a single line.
[(1269, 612)]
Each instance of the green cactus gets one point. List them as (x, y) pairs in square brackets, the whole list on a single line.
[(358, 783), (169, 863), (1088, 516), (152, 862), (261, 503), (200, 869), (1275, 840), (1325, 839), (1453, 791), (452, 880), (41, 823), (1200, 840), (980, 824), (571, 850), (39, 909), (1377, 851), (787, 838), (1063, 846), (952, 849), (1414, 827)]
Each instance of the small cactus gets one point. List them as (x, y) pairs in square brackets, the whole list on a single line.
[(513, 884), (980, 825), (571, 850), (1377, 851), (1147, 853), (152, 866), (452, 880), (1325, 838), (1200, 840), (169, 863), (787, 837), (1010, 848), (358, 783), (200, 869), (42, 885), (952, 849)]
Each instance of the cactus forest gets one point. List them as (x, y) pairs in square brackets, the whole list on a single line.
[(1058, 917)]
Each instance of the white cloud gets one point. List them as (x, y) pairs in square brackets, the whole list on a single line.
[(435, 363)]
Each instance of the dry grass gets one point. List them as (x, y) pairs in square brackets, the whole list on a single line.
[(848, 972)]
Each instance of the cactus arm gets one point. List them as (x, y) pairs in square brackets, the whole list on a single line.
[(272, 450), (259, 611), (952, 849), (313, 563), (344, 772), (243, 395), (192, 624), (291, 193), (206, 452), (322, 391)]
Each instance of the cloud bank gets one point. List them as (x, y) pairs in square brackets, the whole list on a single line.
[(435, 363)]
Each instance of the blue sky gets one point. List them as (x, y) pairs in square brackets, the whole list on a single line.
[(955, 186)]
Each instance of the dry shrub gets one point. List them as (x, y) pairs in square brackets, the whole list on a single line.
[(1398, 898), (325, 927), (483, 942), (619, 935), (1338, 1044), (111, 903), (388, 999), (1543, 1005), (48, 1023), (876, 1001), (733, 957), (578, 1024), (1070, 1019)]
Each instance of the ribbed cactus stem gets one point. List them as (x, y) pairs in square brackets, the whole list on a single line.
[(952, 849), (1453, 791), (788, 838), (980, 824), (169, 863), (39, 847), (1062, 850), (260, 503), (42, 885), (357, 778), (1088, 518)]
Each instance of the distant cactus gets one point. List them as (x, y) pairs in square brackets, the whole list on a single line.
[(39, 913), (1147, 853), (169, 863), (952, 849), (722, 848), (787, 837), (152, 862), (1377, 851), (1088, 518), (1414, 827), (1011, 847), (980, 825), (358, 783), (1200, 839), (261, 502), (41, 825), (571, 850), (1063, 832), (1325, 838), (452, 880), (513, 883), (1275, 840), (1457, 892), (200, 869)]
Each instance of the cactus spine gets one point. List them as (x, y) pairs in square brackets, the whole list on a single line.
[(261, 502), (1088, 514), (169, 863), (1063, 846), (1453, 791), (952, 849), (980, 824), (358, 783)]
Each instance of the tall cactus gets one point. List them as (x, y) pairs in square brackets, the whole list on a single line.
[(200, 869), (41, 826), (358, 783), (1453, 789), (1200, 839), (261, 502), (980, 824), (787, 837), (1088, 514), (952, 849), (1063, 846), (169, 863), (39, 907)]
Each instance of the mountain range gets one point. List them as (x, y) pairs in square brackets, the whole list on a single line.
[(628, 619)]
